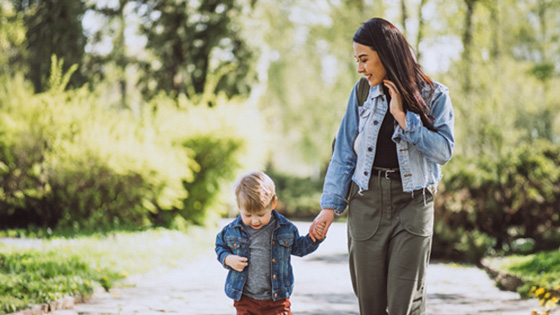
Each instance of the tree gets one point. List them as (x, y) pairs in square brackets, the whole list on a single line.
[(421, 30), (12, 40), (114, 27), (310, 76), (467, 44), (191, 40), (54, 27), (404, 16)]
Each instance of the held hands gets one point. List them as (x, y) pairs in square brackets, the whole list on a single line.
[(319, 230), (396, 106), (236, 263), (320, 226)]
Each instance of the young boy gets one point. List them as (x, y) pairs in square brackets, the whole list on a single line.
[(256, 248)]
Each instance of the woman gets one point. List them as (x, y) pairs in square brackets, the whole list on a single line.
[(385, 167)]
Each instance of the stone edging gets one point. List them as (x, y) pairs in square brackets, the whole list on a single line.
[(504, 280), (65, 303)]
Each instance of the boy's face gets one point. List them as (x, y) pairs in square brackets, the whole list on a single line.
[(256, 220)]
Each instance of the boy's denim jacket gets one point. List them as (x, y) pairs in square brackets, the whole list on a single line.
[(420, 151), (286, 241)]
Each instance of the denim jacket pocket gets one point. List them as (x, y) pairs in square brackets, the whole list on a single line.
[(285, 249), (237, 245), (364, 113)]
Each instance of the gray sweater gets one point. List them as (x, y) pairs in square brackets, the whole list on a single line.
[(259, 286)]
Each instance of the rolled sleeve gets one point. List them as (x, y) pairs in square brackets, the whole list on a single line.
[(332, 201), (413, 124), (435, 145)]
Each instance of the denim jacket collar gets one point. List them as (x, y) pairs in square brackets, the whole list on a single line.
[(280, 220), (375, 91)]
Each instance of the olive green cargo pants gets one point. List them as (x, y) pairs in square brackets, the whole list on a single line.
[(389, 242)]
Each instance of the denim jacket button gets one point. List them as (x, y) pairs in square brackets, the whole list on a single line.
[(273, 276), (370, 149), (273, 260), (365, 173), (375, 122)]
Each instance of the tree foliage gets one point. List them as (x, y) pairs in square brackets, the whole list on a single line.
[(12, 40), (191, 39), (53, 27)]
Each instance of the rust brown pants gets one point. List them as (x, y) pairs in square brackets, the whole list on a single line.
[(249, 306)]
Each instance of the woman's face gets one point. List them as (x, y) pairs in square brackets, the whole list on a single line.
[(369, 64)]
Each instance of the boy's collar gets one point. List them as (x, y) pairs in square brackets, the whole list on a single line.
[(280, 219)]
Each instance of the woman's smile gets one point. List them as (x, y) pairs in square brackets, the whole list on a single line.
[(369, 64)]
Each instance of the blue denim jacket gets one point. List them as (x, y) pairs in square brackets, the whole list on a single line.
[(420, 151), (286, 241)]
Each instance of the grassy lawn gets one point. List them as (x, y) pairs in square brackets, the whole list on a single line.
[(52, 268), (540, 273)]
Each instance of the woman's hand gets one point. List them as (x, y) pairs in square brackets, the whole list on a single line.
[(323, 220), (396, 106), (236, 263)]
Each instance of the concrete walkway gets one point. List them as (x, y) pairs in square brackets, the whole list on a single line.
[(322, 287)]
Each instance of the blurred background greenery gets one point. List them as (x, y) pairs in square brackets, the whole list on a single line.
[(130, 114)]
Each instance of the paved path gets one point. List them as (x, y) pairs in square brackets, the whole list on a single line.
[(322, 287)]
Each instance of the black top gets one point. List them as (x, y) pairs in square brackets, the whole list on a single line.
[(386, 149)]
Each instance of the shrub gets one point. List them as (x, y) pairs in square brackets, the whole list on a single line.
[(67, 160), (510, 200), (298, 197), (217, 161)]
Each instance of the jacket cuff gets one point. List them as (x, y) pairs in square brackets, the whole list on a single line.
[(413, 123), (331, 201), (224, 261), (319, 241)]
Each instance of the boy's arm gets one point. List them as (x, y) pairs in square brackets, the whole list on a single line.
[(222, 250), (226, 256), (304, 245)]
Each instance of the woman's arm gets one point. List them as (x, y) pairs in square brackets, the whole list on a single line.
[(435, 145), (343, 160)]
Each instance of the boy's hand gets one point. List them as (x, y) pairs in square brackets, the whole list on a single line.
[(320, 228), (326, 216), (237, 263)]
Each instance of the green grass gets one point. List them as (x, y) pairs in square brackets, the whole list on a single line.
[(541, 270), (62, 266)]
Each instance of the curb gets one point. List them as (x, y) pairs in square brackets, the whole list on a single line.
[(65, 303), (504, 280)]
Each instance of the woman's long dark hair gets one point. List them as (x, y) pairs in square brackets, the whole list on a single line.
[(402, 69)]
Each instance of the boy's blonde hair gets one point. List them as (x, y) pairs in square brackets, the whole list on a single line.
[(254, 192)]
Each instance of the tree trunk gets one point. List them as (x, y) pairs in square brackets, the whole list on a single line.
[(120, 50), (404, 16), (420, 34), (467, 45)]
